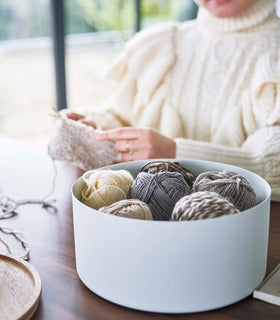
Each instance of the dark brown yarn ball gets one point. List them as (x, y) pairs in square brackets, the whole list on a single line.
[(171, 166), (230, 185), (202, 205)]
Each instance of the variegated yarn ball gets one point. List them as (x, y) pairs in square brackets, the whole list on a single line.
[(202, 205), (171, 166), (230, 185), (132, 208), (160, 191), (104, 187)]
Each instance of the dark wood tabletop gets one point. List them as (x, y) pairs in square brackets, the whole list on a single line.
[(27, 172)]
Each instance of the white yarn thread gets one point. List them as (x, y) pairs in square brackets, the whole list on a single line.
[(18, 235)]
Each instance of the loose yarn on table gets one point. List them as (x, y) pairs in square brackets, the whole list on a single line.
[(160, 191), (229, 185), (171, 166), (104, 187), (131, 208), (8, 207), (18, 236), (202, 205)]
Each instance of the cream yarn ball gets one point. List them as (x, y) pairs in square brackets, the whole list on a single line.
[(104, 187), (132, 208)]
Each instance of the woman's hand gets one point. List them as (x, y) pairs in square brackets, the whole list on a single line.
[(139, 143), (80, 118)]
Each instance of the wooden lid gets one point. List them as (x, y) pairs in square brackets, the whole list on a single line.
[(20, 288)]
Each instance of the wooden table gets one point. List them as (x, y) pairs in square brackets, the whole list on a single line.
[(27, 172)]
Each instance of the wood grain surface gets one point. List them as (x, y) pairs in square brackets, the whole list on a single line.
[(20, 288), (27, 172)]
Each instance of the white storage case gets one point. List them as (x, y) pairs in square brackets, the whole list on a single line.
[(173, 266)]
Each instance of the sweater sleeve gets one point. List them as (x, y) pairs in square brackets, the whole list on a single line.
[(260, 152), (140, 96)]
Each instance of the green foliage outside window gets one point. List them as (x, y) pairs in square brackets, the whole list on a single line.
[(120, 14), (108, 14), (32, 18)]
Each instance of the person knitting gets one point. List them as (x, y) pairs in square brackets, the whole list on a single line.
[(204, 89)]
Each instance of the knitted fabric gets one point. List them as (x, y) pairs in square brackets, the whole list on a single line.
[(74, 142), (211, 84)]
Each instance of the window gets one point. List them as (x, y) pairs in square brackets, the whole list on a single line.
[(26, 64), (96, 31)]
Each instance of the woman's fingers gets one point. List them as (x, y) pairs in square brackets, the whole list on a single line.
[(125, 146), (141, 143), (125, 133), (130, 150), (74, 116)]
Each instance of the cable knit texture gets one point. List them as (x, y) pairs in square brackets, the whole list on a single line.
[(212, 84)]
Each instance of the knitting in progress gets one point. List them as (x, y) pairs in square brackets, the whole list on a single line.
[(74, 142), (211, 84)]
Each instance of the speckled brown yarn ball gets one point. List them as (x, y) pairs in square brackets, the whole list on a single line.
[(132, 208), (202, 205), (171, 166), (230, 185)]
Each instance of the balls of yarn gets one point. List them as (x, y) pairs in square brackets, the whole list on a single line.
[(202, 205), (160, 191), (229, 185), (171, 166), (104, 187), (132, 208)]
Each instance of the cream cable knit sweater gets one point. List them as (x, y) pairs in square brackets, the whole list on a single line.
[(212, 84)]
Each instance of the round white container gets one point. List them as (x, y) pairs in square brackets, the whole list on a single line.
[(173, 266)]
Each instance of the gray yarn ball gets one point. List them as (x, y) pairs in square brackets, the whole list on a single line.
[(202, 205), (160, 191), (230, 185)]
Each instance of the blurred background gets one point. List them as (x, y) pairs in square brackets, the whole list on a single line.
[(32, 55)]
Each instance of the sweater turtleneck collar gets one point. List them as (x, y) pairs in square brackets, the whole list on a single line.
[(251, 17)]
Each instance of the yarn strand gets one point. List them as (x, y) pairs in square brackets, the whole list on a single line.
[(18, 236), (9, 205), (6, 245)]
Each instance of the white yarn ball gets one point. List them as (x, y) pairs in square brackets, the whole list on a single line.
[(104, 187)]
